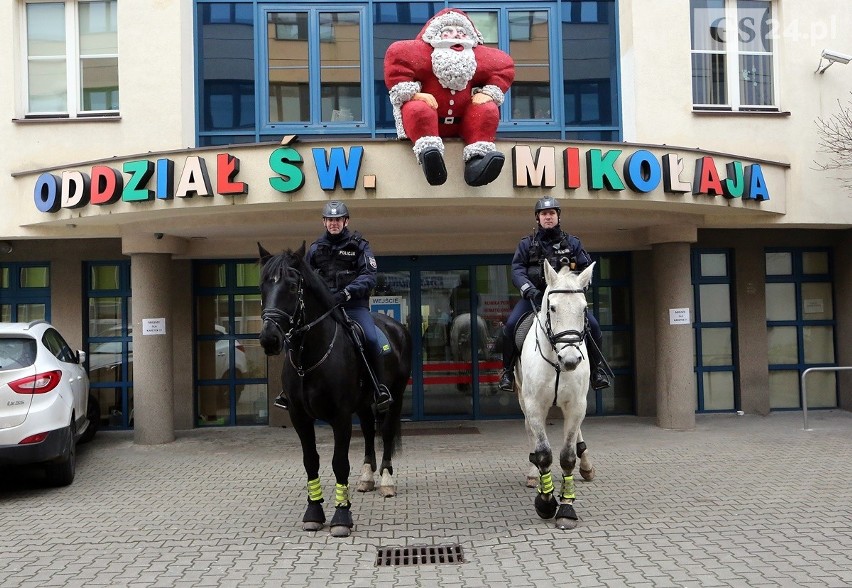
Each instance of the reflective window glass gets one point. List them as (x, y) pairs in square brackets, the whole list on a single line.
[(779, 263), (718, 388), (715, 300), (818, 344), (714, 264), (817, 301), (781, 301), (815, 262), (784, 389), (783, 345)]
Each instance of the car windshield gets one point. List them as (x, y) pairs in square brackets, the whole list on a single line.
[(16, 352)]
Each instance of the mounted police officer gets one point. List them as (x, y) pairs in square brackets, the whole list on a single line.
[(560, 249), (344, 261)]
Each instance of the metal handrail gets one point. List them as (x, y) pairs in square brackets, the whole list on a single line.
[(805, 390)]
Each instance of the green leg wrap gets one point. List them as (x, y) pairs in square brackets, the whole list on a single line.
[(314, 490), (341, 495), (545, 483), (567, 492)]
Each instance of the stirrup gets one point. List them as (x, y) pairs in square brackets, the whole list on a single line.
[(600, 380), (383, 399), (281, 402), (507, 381)]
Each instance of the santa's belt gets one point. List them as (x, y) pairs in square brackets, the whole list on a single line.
[(449, 120)]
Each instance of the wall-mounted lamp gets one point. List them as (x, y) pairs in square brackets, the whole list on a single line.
[(5, 247), (831, 57)]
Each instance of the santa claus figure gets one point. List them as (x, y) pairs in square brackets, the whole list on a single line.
[(446, 83)]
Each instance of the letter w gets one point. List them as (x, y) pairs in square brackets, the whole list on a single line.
[(335, 168)]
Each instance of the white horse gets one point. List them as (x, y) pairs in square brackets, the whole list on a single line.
[(554, 371)]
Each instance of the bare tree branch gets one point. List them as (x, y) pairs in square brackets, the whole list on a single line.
[(835, 139)]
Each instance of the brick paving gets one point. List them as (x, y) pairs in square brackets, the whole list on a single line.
[(739, 501)]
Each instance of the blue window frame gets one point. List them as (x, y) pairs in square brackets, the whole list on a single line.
[(24, 292), (109, 341), (265, 69), (714, 326), (801, 326)]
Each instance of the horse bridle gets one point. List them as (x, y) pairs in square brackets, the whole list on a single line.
[(296, 320), (568, 337)]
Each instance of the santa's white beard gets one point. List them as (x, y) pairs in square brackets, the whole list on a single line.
[(454, 69)]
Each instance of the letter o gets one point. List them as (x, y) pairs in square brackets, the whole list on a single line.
[(47, 193), (642, 171)]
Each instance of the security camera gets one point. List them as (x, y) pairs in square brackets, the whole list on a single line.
[(836, 56), (158, 236)]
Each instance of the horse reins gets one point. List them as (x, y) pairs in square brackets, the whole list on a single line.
[(297, 328), (568, 337)]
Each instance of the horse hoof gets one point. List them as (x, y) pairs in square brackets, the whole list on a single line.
[(311, 526), (532, 481), (387, 491), (366, 486), (341, 523), (566, 517), (565, 523), (545, 507), (588, 475)]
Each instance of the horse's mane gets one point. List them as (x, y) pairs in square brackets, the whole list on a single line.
[(277, 265)]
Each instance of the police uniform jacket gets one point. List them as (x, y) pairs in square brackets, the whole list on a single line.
[(345, 262), (554, 245)]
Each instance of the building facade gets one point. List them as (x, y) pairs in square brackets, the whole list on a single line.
[(151, 145)]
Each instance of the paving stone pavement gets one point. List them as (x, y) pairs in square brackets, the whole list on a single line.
[(738, 501)]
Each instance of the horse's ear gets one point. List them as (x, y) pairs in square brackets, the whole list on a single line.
[(300, 253), (586, 275), (549, 273), (264, 254)]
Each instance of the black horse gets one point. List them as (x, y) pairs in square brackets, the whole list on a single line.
[(325, 379)]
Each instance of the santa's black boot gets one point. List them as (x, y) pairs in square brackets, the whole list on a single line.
[(433, 166), (483, 169)]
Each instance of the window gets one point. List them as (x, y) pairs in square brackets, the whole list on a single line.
[(715, 335), (24, 292), (109, 340), (800, 327), (72, 58), (230, 366), (732, 55), (314, 67), (267, 69)]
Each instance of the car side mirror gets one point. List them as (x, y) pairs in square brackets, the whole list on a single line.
[(81, 357)]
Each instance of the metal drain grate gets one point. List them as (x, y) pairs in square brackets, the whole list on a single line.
[(420, 554)]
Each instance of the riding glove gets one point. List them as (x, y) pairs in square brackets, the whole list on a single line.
[(341, 297)]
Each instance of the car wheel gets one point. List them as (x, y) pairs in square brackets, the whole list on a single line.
[(93, 413), (61, 472)]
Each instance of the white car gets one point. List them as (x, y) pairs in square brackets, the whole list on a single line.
[(44, 398)]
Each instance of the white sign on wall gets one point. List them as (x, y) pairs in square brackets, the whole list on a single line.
[(814, 306), (154, 326), (679, 316)]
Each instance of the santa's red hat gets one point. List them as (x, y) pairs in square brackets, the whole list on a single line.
[(449, 17)]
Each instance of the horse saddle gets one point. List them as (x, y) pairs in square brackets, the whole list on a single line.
[(524, 326), (384, 342)]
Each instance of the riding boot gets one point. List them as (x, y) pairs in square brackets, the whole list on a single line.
[(598, 377), (507, 378), (382, 394), (281, 401)]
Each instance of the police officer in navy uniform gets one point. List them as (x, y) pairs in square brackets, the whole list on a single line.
[(344, 261), (560, 249)]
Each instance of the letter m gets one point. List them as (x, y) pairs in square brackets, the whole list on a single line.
[(538, 171)]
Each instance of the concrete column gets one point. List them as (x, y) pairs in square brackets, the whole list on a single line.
[(153, 407), (153, 383), (753, 348), (675, 345)]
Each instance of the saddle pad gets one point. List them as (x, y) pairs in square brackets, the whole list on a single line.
[(523, 328)]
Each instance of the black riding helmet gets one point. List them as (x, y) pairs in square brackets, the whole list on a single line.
[(335, 209), (546, 204)]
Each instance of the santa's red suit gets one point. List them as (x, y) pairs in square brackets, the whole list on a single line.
[(412, 69)]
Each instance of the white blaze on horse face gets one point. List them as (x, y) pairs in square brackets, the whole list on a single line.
[(565, 312)]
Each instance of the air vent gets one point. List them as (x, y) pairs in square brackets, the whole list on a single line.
[(420, 554)]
